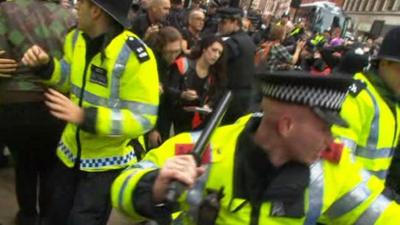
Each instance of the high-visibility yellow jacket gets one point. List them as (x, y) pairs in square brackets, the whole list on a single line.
[(318, 39), (338, 193), (373, 128), (119, 93), (295, 31)]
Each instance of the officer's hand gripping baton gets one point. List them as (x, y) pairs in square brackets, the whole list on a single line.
[(176, 188)]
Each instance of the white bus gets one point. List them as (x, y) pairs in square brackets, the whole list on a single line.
[(323, 16)]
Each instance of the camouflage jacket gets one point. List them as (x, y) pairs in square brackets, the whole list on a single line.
[(24, 23)]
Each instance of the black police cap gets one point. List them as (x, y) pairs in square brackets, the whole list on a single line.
[(390, 48), (229, 13), (116, 9), (325, 95)]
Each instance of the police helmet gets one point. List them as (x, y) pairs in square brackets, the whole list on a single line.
[(116, 9), (230, 13), (390, 48)]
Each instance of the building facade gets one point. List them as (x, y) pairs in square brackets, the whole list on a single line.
[(273, 7), (337, 2), (365, 12), (279, 7)]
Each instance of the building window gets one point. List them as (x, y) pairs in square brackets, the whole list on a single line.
[(364, 5), (350, 5), (390, 5), (370, 5), (355, 5), (359, 5), (346, 5), (380, 5)]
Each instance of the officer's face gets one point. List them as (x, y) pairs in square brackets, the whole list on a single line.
[(390, 73), (226, 26), (308, 138), (83, 8), (213, 53), (290, 132)]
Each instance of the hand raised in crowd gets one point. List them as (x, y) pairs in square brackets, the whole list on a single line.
[(35, 56), (189, 95), (63, 108), (207, 108), (180, 168), (301, 44), (7, 65), (152, 29), (184, 46)]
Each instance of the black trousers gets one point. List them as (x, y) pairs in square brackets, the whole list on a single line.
[(80, 198), (31, 134)]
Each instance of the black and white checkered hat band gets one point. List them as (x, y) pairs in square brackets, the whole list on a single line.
[(306, 95)]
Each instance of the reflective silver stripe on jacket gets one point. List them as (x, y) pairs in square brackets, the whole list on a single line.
[(145, 164), (374, 153), (75, 37), (316, 192), (374, 132), (370, 216), (382, 174), (117, 73), (350, 200), (371, 151), (65, 73), (195, 195), (116, 119), (349, 143), (97, 162), (137, 107)]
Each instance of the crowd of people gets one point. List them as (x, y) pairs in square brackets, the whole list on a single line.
[(99, 100)]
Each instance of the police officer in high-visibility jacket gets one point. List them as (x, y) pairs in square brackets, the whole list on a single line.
[(279, 168), (373, 111), (111, 76)]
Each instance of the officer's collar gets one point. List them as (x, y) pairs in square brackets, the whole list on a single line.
[(98, 39), (240, 30)]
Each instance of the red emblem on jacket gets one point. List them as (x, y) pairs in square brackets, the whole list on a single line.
[(333, 153), (181, 149)]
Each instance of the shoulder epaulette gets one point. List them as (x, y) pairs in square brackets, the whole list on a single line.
[(357, 87), (139, 48)]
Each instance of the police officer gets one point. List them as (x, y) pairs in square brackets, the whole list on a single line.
[(111, 76), (373, 110), (276, 168), (239, 53)]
